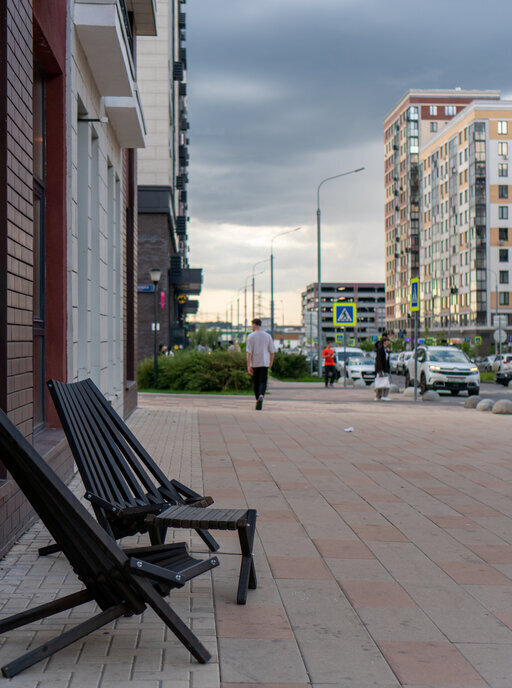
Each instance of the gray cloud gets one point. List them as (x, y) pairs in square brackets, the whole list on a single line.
[(283, 93)]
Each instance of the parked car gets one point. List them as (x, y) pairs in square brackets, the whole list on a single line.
[(500, 361), (401, 364), (360, 368), (485, 363), (504, 376), (341, 352), (393, 363), (443, 368)]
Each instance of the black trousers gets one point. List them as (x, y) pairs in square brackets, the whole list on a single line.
[(259, 381), (329, 375)]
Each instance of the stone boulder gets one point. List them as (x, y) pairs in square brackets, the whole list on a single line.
[(485, 405), (394, 389), (409, 392), (503, 406), (472, 402), (430, 395), (359, 384)]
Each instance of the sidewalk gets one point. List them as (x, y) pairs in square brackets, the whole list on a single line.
[(384, 554)]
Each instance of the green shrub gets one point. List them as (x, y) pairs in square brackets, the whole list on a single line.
[(289, 366), (196, 371)]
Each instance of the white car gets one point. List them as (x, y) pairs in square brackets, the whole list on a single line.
[(360, 368), (443, 368), (393, 363), (401, 364), (501, 361), (341, 352)]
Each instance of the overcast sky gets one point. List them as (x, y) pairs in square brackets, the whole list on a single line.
[(283, 93)]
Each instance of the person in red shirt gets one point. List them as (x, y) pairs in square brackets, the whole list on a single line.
[(329, 358)]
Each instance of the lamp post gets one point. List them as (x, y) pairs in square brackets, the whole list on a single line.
[(319, 261), (288, 231), (253, 275), (155, 274), (245, 297)]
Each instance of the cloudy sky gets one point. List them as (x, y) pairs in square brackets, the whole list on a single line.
[(283, 93)]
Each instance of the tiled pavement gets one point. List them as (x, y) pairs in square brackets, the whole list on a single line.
[(384, 554)]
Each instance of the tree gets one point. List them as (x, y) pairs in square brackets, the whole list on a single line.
[(205, 337)]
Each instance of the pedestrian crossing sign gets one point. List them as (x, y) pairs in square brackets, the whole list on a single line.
[(344, 314), (352, 341), (415, 296), (478, 340), (339, 338)]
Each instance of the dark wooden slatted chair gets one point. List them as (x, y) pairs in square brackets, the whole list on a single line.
[(128, 491), (121, 582), (122, 481)]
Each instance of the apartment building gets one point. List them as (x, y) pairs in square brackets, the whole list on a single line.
[(369, 298), (413, 121), (466, 238), (70, 122), (162, 184)]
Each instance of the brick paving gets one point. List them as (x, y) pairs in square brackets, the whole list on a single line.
[(384, 554)]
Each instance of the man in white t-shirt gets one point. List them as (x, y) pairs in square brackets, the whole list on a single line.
[(260, 356)]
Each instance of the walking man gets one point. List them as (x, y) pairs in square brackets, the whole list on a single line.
[(328, 355), (260, 356)]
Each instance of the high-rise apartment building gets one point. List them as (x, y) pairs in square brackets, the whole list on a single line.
[(466, 211), (369, 299), (417, 117), (162, 182)]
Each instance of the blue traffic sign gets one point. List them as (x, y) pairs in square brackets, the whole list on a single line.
[(415, 294), (344, 314)]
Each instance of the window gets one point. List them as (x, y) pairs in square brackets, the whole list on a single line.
[(502, 127), (433, 126), (503, 255), (433, 110), (503, 234), (503, 212), (504, 298), (503, 169), (450, 110), (39, 140), (502, 191), (413, 112), (503, 148), (503, 276)]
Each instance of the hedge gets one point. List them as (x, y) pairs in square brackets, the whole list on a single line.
[(289, 366), (196, 371)]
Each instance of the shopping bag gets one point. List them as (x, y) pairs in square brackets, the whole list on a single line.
[(382, 382)]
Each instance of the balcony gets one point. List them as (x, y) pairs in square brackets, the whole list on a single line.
[(189, 280), (144, 16), (101, 30), (125, 116)]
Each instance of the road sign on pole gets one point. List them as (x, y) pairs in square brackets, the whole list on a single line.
[(415, 294), (344, 314), (478, 340)]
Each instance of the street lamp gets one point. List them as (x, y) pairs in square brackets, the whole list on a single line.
[(288, 231), (497, 349), (253, 275), (319, 261), (155, 274)]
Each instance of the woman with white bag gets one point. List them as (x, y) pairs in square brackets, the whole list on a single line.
[(382, 383)]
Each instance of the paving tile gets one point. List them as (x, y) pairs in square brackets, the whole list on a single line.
[(261, 661), (298, 567), (473, 573), (493, 554), (376, 594), (374, 533), (439, 664), (343, 549), (252, 621), (399, 624), (492, 661)]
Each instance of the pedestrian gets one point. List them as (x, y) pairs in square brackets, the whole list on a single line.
[(231, 346), (329, 358), (260, 356), (162, 350), (382, 369)]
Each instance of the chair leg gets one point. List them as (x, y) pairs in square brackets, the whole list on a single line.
[(44, 610), (247, 578), (208, 539), (51, 647), (49, 549), (157, 534), (173, 621)]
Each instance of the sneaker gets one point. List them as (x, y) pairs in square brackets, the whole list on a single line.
[(386, 399), (259, 403), (377, 399)]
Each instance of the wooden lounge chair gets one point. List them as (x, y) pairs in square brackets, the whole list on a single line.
[(121, 582), (128, 491)]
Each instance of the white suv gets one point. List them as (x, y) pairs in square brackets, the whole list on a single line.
[(444, 368)]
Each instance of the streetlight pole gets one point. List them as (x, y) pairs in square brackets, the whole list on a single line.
[(155, 274), (498, 326), (288, 231), (319, 261), (253, 276), (245, 297)]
